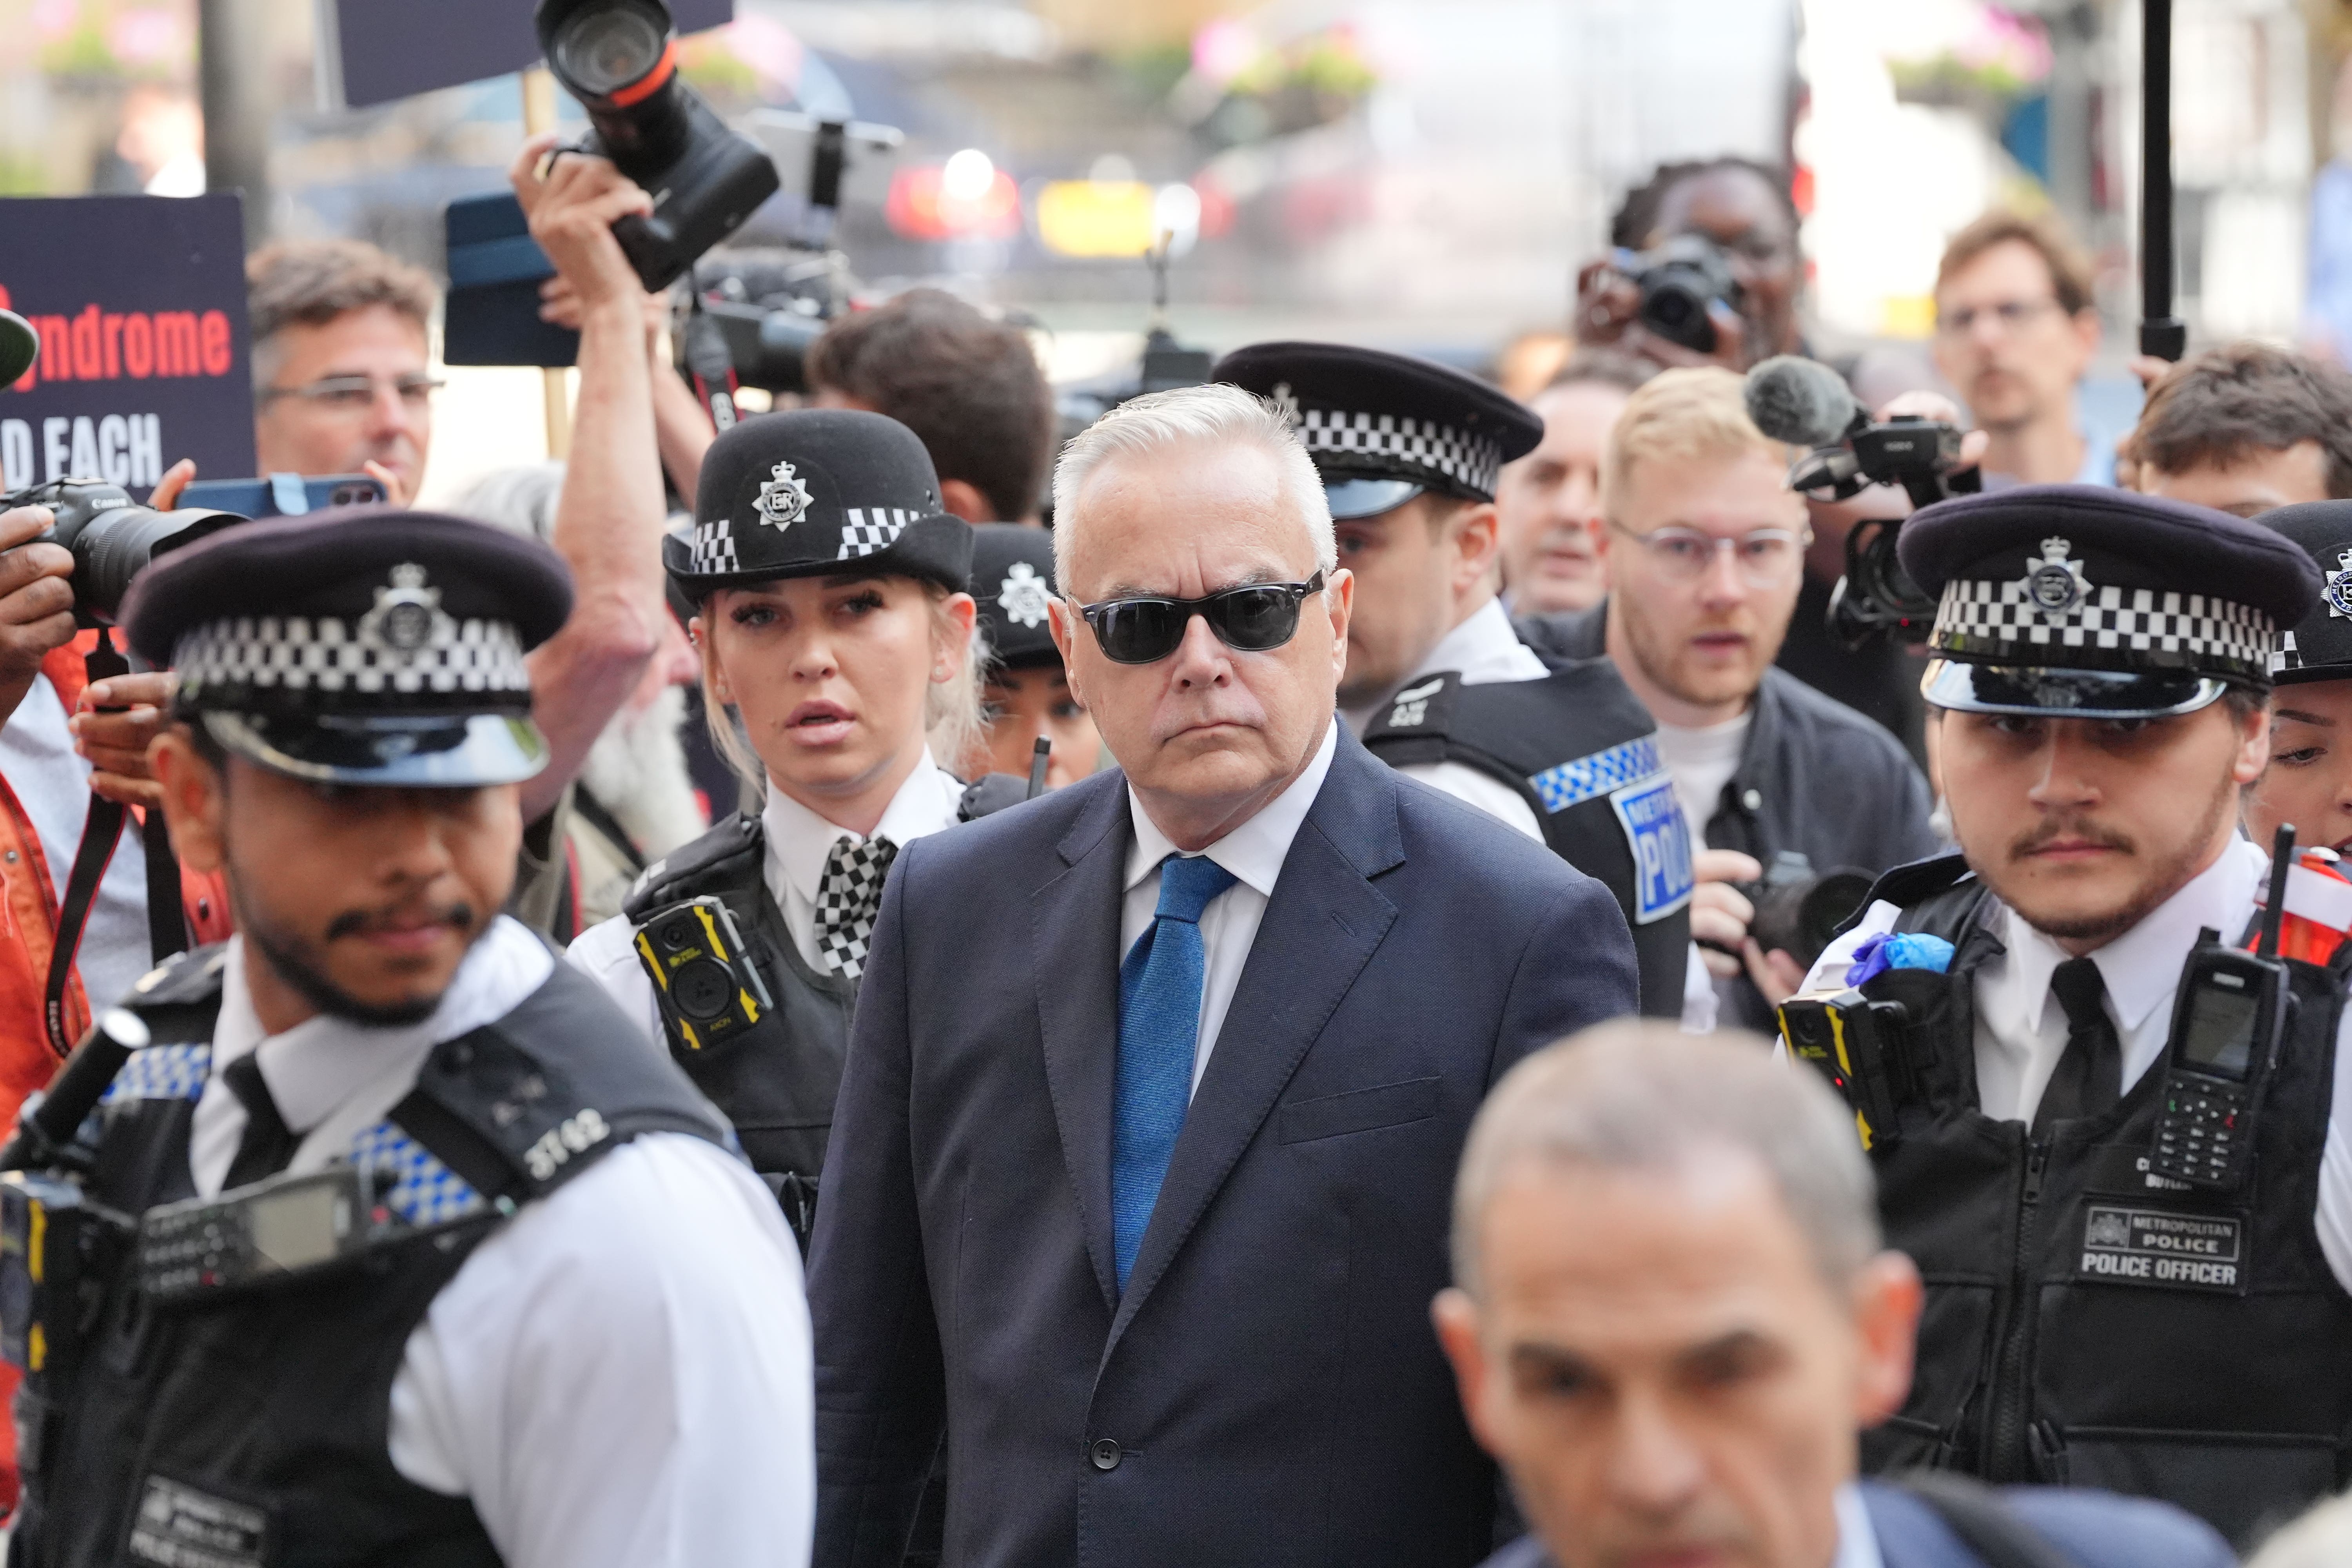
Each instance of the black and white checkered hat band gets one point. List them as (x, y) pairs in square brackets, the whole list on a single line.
[(1470, 461), (1988, 622), (864, 530), (311, 654)]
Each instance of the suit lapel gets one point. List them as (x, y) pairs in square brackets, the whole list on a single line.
[(1321, 927), (1074, 922)]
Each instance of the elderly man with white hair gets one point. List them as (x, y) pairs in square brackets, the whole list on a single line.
[(1139, 1182)]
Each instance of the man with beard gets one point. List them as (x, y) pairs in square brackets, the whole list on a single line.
[(2101, 684), (2016, 326), (1704, 545), (573, 1333)]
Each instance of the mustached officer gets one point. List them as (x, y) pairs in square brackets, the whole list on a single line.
[(2105, 1132), (426, 1258), (1438, 683), (835, 635)]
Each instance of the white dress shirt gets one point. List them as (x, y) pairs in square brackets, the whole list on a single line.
[(1857, 1545), (622, 1374), (1254, 852), (798, 840), (51, 781), (1484, 651), (2021, 1028)]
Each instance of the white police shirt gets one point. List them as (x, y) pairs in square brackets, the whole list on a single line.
[(798, 840), (2020, 1030), (1485, 651), (1253, 852), (620, 1376)]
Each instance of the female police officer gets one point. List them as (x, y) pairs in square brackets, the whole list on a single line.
[(834, 625), (2309, 780), (1028, 696)]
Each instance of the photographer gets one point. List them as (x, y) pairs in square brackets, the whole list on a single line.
[(1704, 543), (1742, 214), (2016, 326), (2244, 429), (971, 388)]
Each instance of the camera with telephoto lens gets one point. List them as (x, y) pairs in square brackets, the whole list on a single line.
[(1679, 280), (619, 59), (111, 538)]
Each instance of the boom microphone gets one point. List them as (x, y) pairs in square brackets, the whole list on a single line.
[(1802, 402)]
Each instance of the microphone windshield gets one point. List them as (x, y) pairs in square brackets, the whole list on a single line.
[(1800, 401)]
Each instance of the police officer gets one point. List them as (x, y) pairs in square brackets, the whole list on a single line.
[(836, 635), (2309, 780), (1028, 696), (1438, 683), (2099, 695), (435, 1262)]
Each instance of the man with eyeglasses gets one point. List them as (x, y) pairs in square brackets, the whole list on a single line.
[(2016, 326), (1437, 684), (343, 363), (1705, 544), (1138, 1182)]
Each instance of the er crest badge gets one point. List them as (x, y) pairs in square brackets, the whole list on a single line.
[(407, 612), (2054, 585), (1022, 594), (2339, 588), (783, 501)]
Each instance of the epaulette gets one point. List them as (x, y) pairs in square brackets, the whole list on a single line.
[(1913, 883), (738, 836), (991, 793), (179, 999)]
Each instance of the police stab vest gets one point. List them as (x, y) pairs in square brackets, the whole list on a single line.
[(250, 1430), (776, 1080), (1578, 747), (2088, 1323)]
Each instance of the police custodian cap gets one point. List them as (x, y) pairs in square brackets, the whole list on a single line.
[(2318, 646), (815, 492), (1012, 584), (358, 647), (1383, 428), (2093, 602)]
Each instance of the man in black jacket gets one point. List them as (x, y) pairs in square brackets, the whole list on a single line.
[(1705, 546)]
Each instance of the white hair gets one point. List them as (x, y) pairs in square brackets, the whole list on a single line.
[(1212, 416)]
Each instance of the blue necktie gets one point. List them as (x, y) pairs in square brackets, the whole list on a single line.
[(1158, 1029)]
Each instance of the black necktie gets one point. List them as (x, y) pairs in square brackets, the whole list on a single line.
[(269, 1144), (2090, 1076)]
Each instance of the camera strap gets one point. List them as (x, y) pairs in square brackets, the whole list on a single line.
[(102, 834), (709, 366)]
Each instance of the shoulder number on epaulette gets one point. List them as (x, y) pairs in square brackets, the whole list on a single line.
[(574, 1134)]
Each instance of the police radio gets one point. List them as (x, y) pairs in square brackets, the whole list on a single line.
[(709, 989), (2227, 1023)]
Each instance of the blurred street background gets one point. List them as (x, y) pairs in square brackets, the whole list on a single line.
[(1420, 175)]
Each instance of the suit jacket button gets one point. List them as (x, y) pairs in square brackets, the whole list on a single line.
[(1104, 1454)]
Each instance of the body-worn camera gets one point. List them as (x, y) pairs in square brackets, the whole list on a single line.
[(1679, 280), (619, 59), (709, 989), (112, 539)]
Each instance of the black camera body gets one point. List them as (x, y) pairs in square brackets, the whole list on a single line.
[(619, 59), (1679, 280), (1798, 908), (112, 537)]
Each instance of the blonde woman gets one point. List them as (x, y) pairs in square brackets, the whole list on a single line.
[(835, 636)]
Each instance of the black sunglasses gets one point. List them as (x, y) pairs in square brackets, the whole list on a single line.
[(1256, 618)]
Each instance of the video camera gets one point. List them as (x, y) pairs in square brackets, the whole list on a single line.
[(1679, 281), (1805, 404)]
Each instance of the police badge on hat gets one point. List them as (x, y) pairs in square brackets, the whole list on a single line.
[(2318, 646), (2057, 585), (406, 615), (2339, 587), (1024, 595), (783, 499)]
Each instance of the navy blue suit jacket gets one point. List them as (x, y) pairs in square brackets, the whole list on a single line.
[(2098, 1529), (1268, 1390)]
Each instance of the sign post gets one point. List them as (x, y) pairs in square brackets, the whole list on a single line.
[(539, 115), (139, 305)]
